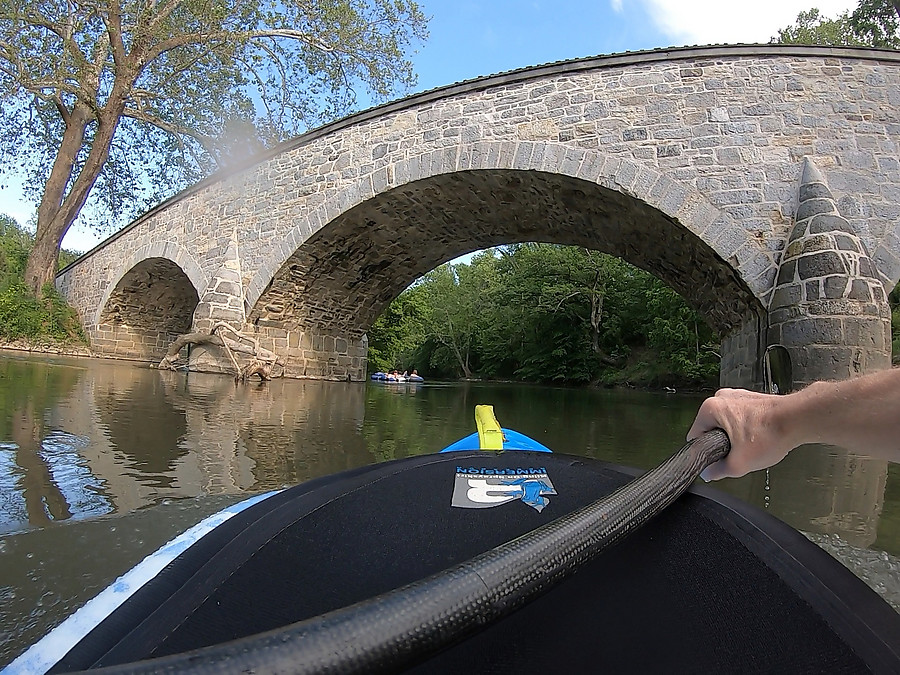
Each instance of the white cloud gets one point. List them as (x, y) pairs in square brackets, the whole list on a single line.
[(616, 5), (714, 21)]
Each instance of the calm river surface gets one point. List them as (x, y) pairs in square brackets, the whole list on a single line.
[(102, 462)]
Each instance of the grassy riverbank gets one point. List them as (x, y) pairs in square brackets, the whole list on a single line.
[(27, 322)]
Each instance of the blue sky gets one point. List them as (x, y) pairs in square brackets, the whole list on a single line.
[(470, 38)]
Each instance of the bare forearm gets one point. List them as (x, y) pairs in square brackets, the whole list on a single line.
[(862, 414)]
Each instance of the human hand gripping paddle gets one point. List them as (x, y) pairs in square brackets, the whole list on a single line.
[(405, 626)]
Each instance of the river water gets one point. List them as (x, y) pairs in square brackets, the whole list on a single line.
[(102, 462)]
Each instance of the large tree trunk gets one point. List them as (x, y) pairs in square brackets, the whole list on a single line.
[(51, 223), (59, 208), (43, 260)]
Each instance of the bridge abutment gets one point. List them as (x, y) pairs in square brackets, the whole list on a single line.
[(309, 353), (741, 363)]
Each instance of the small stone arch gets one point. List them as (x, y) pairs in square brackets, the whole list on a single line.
[(151, 303), (167, 250)]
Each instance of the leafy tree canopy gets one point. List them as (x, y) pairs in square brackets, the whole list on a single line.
[(119, 103), (874, 23), (21, 314)]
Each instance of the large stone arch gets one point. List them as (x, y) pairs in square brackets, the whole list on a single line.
[(151, 302), (355, 253), (680, 203)]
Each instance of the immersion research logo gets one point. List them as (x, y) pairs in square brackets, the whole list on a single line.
[(482, 488)]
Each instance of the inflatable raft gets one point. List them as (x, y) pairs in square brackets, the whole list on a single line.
[(388, 378), (710, 585)]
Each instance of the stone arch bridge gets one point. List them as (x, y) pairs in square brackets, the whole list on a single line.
[(761, 182)]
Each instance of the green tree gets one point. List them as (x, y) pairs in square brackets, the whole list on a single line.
[(457, 297), (812, 28), (15, 243), (120, 102), (679, 335), (395, 334), (548, 313), (877, 23), (556, 301), (874, 23)]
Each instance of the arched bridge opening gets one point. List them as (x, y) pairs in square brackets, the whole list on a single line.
[(321, 301), (148, 308)]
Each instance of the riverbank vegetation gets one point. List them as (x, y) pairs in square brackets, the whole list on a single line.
[(551, 314), (22, 315), (546, 313)]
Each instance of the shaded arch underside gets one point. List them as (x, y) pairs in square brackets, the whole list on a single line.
[(343, 277), (153, 297)]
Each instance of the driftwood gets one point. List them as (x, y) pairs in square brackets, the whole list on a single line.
[(262, 363)]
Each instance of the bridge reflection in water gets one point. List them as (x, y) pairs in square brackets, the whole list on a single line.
[(102, 462)]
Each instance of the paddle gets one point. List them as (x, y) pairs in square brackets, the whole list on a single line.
[(405, 626)]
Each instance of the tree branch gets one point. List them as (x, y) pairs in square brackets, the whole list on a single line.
[(207, 142)]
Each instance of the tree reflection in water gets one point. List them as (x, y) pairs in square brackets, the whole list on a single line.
[(45, 477)]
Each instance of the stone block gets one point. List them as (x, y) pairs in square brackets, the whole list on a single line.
[(815, 207), (867, 268), (835, 287), (867, 332), (786, 296), (826, 363), (821, 331), (668, 150), (824, 263), (813, 290), (860, 290), (781, 315), (826, 223), (787, 272)]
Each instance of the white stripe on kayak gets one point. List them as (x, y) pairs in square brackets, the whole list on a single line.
[(45, 653)]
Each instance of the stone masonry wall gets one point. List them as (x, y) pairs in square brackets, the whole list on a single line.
[(710, 140), (741, 353)]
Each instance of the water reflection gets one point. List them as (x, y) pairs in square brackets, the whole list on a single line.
[(825, 490), (135, 455), (81, 439), (45, 477)]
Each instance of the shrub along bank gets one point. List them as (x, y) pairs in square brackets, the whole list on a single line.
[(23, 317)]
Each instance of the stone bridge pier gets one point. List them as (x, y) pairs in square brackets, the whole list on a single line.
[(829, 306), (308, 351)]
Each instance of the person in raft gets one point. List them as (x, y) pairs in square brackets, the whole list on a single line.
[(861, 415)]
